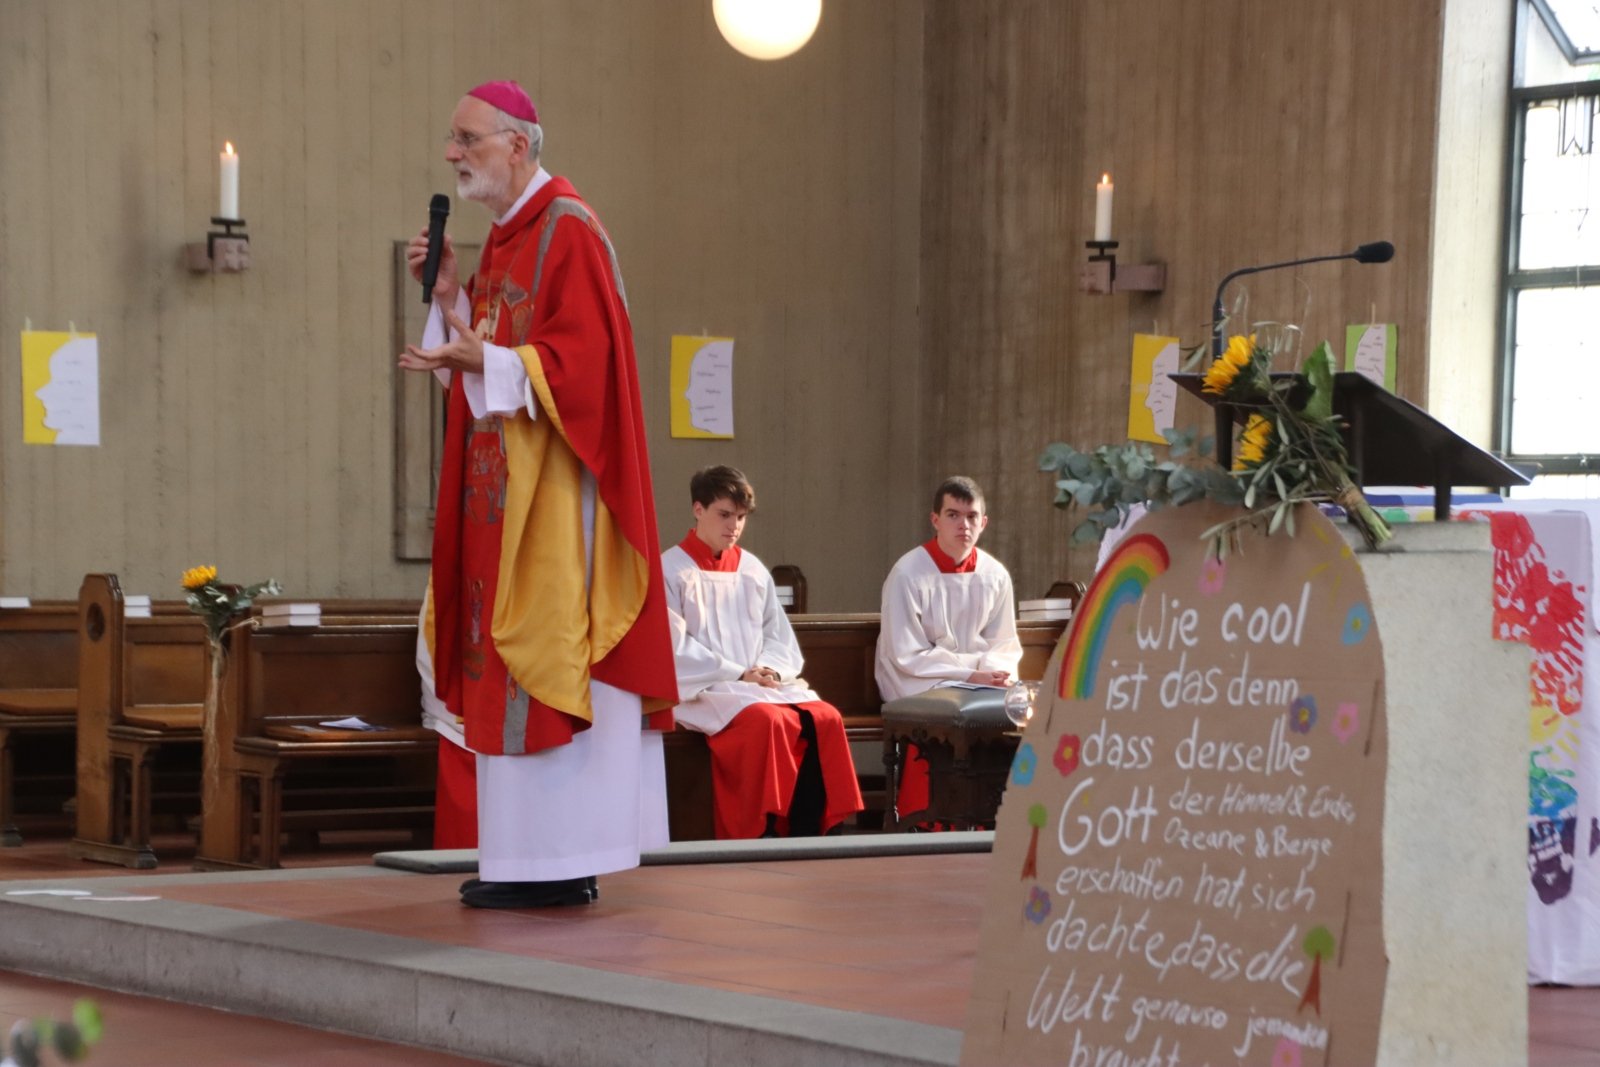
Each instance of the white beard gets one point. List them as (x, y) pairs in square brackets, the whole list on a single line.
[(480, 187)]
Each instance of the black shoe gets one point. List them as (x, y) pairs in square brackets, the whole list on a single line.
[(594, 886), (568, 892)]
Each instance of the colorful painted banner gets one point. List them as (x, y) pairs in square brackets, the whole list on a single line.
[(1188, 864), (1544, 579)]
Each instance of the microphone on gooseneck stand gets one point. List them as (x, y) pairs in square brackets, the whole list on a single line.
[(438, 211), (1373, 252)]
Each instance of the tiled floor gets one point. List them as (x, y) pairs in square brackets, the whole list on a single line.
[(143, 1032), (891, 937), (146, 1032)]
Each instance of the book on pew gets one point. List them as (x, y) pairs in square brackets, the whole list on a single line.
[(1048, 609), (291, 614), (15, 602), (136, 606)]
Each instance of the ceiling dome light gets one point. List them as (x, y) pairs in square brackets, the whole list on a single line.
[(767, 29)]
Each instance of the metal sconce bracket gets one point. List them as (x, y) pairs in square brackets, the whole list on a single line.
[(1101, 275), (225, 251)]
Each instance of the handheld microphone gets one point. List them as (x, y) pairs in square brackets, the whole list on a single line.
[(1372, 252), (438, 211)]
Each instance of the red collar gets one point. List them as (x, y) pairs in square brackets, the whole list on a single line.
[(947, 565), (700, 552)]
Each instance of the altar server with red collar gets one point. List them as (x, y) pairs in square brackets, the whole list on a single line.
[(780, 762), (948, 616)]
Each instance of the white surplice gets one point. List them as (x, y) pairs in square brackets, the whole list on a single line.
[(724, 623), (938, 628)]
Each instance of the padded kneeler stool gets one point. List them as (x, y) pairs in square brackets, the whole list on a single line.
[(968, 742)]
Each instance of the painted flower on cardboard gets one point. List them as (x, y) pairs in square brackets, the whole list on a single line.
[(1023, 764), (1287, 1054), (1212, 573), (1067, 752), (1038, 908), (1356, 624), (1346, 721), (1303, 714)]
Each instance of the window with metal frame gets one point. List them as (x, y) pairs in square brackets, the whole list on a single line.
[(1549, 403)]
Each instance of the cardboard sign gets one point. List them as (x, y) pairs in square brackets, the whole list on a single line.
[(1188, 864)]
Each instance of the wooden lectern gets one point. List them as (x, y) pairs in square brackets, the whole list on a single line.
[(1390, 440)]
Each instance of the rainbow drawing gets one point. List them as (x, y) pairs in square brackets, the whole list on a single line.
[(1134, 564)]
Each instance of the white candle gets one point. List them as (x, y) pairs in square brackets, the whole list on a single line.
[(230, 182), (1102, 209)]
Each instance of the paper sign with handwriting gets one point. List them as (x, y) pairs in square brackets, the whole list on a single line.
[(1188, 864)]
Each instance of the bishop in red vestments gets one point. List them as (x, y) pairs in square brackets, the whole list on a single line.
[(546, 621)]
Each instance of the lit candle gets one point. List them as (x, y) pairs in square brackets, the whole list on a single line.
[(230, 182), (1102, 209)]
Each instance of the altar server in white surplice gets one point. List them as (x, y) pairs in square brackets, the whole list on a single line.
[(948, 615), (780, 762)]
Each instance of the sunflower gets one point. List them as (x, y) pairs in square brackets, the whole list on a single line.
[(1253, 443), (1230, 364), (195, 577)]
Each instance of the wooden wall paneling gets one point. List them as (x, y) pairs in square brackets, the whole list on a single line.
[(174, 219), (130, 408), (277, 503), (23, 245), (195, 359), (320, 245), (1237, 133), (353, 188), (388, 122), (252, 412)]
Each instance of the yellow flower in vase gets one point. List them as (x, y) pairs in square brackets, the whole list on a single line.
[(1253, 443), (195, 577), (1228, 366)]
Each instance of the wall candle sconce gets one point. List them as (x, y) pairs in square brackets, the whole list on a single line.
[(1101, 274), (226, 250)]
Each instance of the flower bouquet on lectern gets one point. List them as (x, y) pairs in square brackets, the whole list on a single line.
[(1289, 451)]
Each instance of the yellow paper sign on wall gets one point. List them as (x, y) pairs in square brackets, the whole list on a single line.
[(1153, 396), (702, 387), (60, 388)]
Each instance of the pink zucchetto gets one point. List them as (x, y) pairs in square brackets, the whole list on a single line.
[(509, 97)]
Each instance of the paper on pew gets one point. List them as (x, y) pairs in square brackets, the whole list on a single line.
[(15, 602), (352, 723)]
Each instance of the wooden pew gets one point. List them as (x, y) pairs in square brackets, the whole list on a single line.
[(141, 694), (839, 652), (280, 683), (38, 692), (139, 715)]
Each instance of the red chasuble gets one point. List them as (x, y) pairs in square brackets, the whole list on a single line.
[(519, 625), (913, 794)]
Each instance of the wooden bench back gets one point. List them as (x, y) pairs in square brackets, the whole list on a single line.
[(39, 646), (125, 663), (304, 674)]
